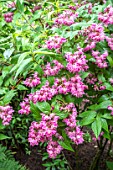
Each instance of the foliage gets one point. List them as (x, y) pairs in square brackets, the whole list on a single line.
[(56, 73), (7, 161)]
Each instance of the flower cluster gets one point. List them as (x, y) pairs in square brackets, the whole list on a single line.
[(110, 108), (100, 59), (8, 17), (99, 86), (6, 113), (89, 46), (107, 16), (75, 134), (73, 131), (32, 81), (95, 33), (44, 94), (91, 79), (52, 71), (25, 107), (55, 42), (53, 149), (71, 120), (77, 5), (74, 85), (110, 41), (43, 132), (76, 62), (66, 18)]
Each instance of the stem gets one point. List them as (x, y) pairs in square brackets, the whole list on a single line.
[(76, 157), (110, 145), (67, 161), (27, 20), (94, 165)]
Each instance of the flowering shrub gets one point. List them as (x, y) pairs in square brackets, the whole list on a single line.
[(56, 71)]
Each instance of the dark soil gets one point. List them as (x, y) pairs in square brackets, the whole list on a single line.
[(80, 160)]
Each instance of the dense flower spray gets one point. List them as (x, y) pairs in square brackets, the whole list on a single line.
[(66, 18), (32, 81), (6, 113), (55, 42)]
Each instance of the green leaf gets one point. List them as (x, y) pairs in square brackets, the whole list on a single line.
[(110, 61), (44, 107), (20, 5), (21, 87), (109, 165), (89, 118), (39, 70), (84, 75), (7, 54), (1, 80), (35, 111), (8, 97), (1, 125), (101, 77), (110, 122), (108, 86), (96, 126), (66, 145), (93, 107), (104, 124), (87, 113), (61, 114), (69, 98), (107, 116), (44, 52), (23, 65), (105, 104), (102, 105), (51, 80), (2, 136), (103, 98), (106, 135)]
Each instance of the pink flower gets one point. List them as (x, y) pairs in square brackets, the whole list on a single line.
[(55, 42), (6, 113), (66, 18), (53, 149), (25, 107), (32, 81)]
